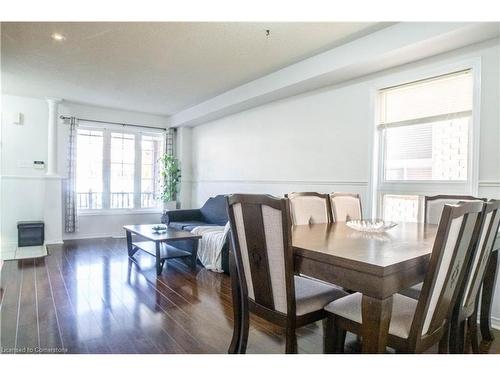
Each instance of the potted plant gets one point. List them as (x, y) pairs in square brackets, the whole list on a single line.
[(170, 177)]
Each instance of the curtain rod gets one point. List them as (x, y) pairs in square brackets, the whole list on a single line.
[(111, 122)]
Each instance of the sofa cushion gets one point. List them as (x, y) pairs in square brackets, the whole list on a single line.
[(214, 210), (190, 227), (182, 225)]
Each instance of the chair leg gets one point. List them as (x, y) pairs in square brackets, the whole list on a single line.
[(291, 339), (473, 333), (456, 336), (340, 340), (444, 343), (244, 329), (461, 337), (328, 335), (333, 336)]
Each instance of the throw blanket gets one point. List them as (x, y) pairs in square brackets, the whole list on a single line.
[(210, 246)]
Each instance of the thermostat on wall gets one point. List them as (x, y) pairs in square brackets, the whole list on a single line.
[(38, 164)]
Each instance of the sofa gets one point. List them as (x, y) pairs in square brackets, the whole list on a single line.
[(212, 213)]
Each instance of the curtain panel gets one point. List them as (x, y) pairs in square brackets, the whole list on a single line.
[(70, 207), (170, 141)]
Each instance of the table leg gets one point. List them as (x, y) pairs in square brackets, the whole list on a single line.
[(194, 255), (159, 264), (130, 249), (488, 290), (376, 316)]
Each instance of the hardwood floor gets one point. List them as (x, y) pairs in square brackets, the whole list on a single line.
[(88, 297)]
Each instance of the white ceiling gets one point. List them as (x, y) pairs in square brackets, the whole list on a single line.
[(158, 68)]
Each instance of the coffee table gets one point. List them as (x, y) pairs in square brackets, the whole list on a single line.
[(160, 245)]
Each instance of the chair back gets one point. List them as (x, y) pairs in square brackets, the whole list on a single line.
[(346, 206), (488, 234), (455, 239), (309, 208), (261, 235), (433, 206)]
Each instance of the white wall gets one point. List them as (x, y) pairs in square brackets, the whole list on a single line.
[(24, 190), (321, 140)]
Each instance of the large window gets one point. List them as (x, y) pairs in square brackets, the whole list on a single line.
[(117, 169), (424, 133), (89, 171)]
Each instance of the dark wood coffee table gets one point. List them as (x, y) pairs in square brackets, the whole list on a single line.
[(160, 245)]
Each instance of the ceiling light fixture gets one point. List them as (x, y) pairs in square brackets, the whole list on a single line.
[(58, 37)]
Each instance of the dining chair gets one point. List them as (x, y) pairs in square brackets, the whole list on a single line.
[(416, 325), (433, 207), (466, 308), (346, 206), (309, 208), (263, 254)]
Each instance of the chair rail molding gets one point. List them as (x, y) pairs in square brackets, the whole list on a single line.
[(30, 177), (283, 182), (489, 183)]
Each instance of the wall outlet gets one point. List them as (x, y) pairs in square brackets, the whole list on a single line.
[(39, 164)]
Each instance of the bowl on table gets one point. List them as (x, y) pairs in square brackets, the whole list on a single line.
[(159, 229), (371, 226)]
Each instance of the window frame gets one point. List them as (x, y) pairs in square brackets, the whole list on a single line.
[(106, 166), (378, 186)]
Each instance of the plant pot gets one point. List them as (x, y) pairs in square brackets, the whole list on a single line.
[(170, 205)]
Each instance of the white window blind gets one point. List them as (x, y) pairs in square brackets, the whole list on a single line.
[(430, 100)]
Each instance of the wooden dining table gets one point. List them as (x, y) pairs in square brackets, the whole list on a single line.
[(378, 265)]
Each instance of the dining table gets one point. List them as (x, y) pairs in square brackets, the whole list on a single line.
[(378, 265)]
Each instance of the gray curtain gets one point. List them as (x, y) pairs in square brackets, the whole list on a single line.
[(70, 207), (170, 141)]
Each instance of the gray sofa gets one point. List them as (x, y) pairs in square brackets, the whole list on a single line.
[(213, 212)]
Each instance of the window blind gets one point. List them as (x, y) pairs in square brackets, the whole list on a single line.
[(430, 100)]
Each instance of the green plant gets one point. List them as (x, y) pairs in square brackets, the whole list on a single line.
[(170, 177)]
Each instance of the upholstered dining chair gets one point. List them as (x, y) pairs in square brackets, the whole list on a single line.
[(416, 325), (433, 207), (309, 208), (262, 244), (466, 308), (346, 206)]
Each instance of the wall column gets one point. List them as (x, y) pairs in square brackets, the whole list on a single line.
[(53, 183), (53, 104), (184, 147)]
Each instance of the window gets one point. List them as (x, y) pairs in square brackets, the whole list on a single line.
[(122, 170), (118, 170), (424, 133), (89, 182), (151, 148)]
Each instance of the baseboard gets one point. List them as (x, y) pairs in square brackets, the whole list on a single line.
[(54, 242), (47, 242), (92, 236), (495, 322)]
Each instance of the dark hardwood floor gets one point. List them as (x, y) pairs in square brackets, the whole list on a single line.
[(88, 297)]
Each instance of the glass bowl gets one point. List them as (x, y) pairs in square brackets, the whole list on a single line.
[(371, 226)]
